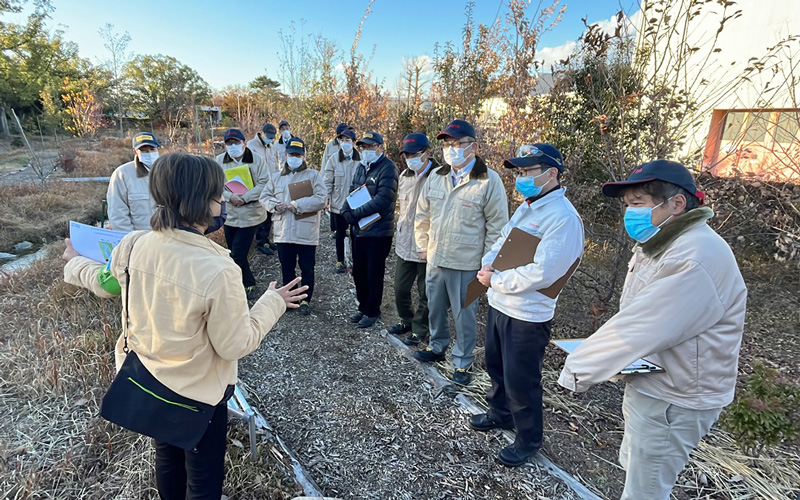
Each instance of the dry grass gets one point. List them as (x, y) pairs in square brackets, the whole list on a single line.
[(56, 344), (41, 213)]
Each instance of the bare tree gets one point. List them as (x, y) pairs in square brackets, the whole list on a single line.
[(116, 44)]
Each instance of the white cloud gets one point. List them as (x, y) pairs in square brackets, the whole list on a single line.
[(550, 56)]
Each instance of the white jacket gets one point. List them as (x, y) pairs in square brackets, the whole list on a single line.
[(130, 205), (285, 226), (683, 308), (251, 213), (409, 187), (338, 173), (458, 225), (553, 219), (267, 150), (331, 149)]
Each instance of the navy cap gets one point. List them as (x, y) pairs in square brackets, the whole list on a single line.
[(414, 143), (457, 129), (348, 132), (234, 133), (535, 154), (269, 130), (658, 170), (282, 123), (340, 127), (144, 139), (296, 145), (371, 137)]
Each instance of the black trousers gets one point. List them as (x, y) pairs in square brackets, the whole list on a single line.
[(341, 228), (369, 269), (262, 233), (405, 274), (514, 360), (239, 240), (290, 254), (196, 474)]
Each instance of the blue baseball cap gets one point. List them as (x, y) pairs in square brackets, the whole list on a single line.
[(269, 130), (658, 170), (296, 145), (414, 143), (348, 132), (535, 154), (457, 129), (233, 133), (282, 123), (144, 139), (371, 137), (341, 127)]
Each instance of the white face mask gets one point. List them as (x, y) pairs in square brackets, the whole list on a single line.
[(415, 163), (235, 150), (148, 158), (347, 147), (294, 162), (455, 156), (286, 134), (368, 156)]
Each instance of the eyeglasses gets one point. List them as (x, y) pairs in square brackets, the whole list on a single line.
[(523, 172), (455, 144), (528, 151)]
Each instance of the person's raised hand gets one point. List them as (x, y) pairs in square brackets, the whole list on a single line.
[(289, 295), (69, 252)]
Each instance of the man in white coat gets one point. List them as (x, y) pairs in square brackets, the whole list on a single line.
[(130, 205)]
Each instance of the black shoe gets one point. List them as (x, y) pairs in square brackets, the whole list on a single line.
[(340, 269), (483, 422), (356, 317), (367, 321), (304, 309), (511, 456), (413, 339), (265, 249), (399, 329), (461, 377), (428, 356), (273, 246)]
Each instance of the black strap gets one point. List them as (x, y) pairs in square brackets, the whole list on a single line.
[(127, 298)]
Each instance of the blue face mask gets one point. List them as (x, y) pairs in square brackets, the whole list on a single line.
[(219, 220), (639, 222), (527, 187)]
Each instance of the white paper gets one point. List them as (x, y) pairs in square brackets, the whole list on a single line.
[(638, 366), (358, 197), (95, 243), (369, 219)]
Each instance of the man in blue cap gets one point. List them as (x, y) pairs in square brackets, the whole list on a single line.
[(263, 144), (410, 267), (286, 133), (372, 241), (460, 213), (522, 300), (245, 214), (331, 149), (682, 308), (339, 172), (130, 205)]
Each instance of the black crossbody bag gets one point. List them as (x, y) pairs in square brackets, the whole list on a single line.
[(140, 403)]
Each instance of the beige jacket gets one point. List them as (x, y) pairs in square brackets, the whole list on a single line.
[(458, 225), (286, 227), (683, 308), (331, 149), (338, 174), (251, 213), (266, 150), (408, 191), (130, 205), (189, 319)]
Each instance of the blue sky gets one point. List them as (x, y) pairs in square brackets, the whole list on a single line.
[(230, 42)]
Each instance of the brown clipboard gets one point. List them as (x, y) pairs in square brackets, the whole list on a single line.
[(518, 250), (302, 189)]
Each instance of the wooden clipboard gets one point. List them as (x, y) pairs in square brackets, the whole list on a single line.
[(518, 250), (302, 189)]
